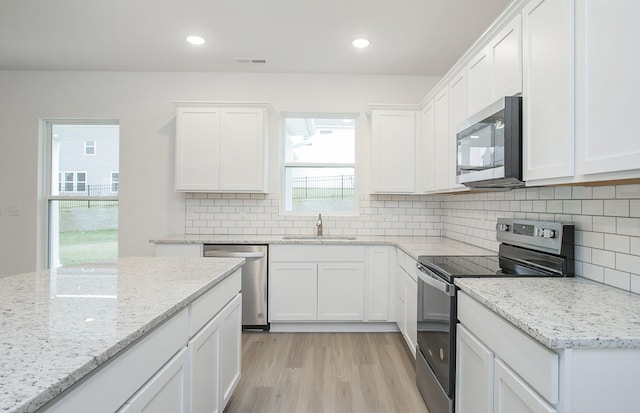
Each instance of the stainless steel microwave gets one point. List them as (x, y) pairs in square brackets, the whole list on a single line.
[(489, 143)]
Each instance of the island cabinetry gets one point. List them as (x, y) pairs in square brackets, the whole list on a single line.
[(328, 283), (221, 147), (189, 363)]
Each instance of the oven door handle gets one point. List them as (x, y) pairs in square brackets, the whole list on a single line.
[(427, 276)]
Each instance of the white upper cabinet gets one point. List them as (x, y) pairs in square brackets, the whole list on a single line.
[(429, 147), (457, 114), (607, 90), (479, 87), (393, 151), (221, 148), (506, 53), (496, 70), (442, 162), (548, 109)]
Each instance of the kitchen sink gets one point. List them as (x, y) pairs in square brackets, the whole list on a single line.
[(312, 237)]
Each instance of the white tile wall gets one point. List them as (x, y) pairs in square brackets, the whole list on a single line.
[(259, 214), (607, 221)]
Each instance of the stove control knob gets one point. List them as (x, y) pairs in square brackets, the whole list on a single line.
[(502, 227), (548, 233)]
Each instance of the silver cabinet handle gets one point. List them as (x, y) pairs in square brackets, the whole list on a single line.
[(224, 254)]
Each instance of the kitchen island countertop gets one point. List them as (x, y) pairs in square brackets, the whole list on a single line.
[(562, 313), (59, 325)]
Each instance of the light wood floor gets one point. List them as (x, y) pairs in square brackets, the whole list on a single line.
[(325, 373)]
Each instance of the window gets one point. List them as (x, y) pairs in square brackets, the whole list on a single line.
[(89, 147), (81, 208), (115, 180), (319, 168)]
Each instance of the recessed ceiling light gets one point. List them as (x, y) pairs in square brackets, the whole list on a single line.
[(360, 43), (195, 40)]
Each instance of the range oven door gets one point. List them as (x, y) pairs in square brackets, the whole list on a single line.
[(435, 363)]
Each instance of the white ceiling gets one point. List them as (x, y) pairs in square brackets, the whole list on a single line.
[(408, 37)]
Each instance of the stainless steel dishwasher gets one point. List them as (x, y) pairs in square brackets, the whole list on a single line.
[(254, 280)]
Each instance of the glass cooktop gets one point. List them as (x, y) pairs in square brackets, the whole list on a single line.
[(456, 266)]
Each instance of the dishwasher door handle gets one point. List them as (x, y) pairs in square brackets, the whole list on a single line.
[(226, 254)]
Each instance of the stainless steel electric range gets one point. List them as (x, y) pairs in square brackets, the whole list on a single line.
[(527, 248)]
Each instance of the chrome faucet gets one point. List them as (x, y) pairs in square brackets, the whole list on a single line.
[(319, 225)]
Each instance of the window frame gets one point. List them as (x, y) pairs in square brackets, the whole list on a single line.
[(92, 146), (284, 164), (45, 183)]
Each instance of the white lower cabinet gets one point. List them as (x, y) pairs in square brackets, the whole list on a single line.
[(188, 364), (407, 300), (230, 349), (341, 291), (165, 392), (500, 369), (328, 283), (513, 395), (474, 381), (215, 358)]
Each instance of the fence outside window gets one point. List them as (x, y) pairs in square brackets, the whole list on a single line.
[(313, 187)]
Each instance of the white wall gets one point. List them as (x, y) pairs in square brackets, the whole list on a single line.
[(149, 207)]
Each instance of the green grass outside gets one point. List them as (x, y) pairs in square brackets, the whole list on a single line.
[(81, 247)]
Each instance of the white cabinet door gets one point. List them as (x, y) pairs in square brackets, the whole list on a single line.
[(378, 269), (411, 312), (204, 352), (427, 163), (474, 374), (293, 291), (341, 291), (513, 395), (506, 53), (457, 114), (197, 149), (479, 85), (548, 93), (442, 141), (165, 392), (393, 151), (242, 149), (230, 349), (400, 300), (607, 88)]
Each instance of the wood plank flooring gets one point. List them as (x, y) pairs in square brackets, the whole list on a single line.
[(326, 373)]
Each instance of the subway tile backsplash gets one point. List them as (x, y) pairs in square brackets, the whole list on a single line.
[(607, 221), (606, 218), (259, 214)]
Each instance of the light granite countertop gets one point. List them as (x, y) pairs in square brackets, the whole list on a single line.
[(562, 312), (59, 325), (413, 246)]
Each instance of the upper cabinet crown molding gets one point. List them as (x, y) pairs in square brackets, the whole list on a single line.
[(220, 104)]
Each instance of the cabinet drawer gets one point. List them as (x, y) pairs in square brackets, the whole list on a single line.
[(211, 302), (317, 253), (535, 363)]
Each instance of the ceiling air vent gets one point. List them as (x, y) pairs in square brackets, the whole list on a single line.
[(249, 60)]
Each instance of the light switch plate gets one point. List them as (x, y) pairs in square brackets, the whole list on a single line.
[(1, 210)]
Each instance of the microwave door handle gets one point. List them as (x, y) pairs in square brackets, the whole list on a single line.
[(425, 275)]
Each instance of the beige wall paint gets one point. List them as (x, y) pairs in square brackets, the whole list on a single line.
[(149, 207)]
